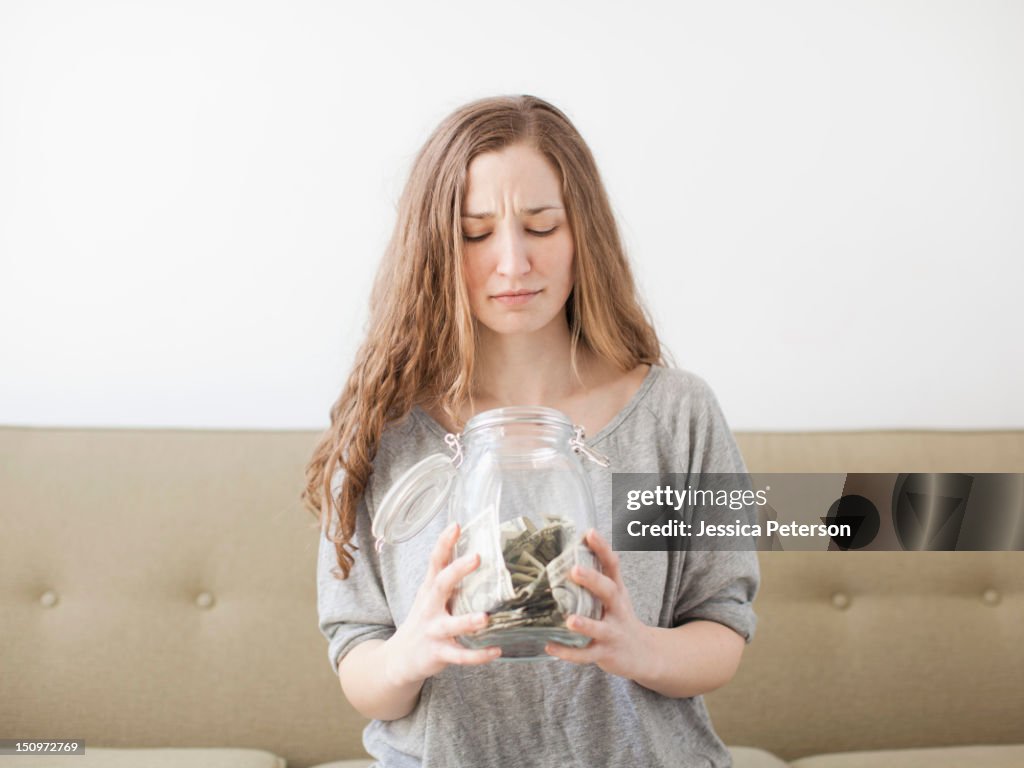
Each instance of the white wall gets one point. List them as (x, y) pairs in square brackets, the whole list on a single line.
[(823, 201)]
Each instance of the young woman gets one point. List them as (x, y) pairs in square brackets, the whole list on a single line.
[(505, 283)]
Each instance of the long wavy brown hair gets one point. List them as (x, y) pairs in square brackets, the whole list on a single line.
[(420, 344)]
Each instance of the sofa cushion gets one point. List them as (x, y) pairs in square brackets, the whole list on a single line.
[(99, 757), (743, 757), (1005, 756), (748, 757)]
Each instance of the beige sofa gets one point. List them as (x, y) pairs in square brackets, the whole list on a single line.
[(157, 599)]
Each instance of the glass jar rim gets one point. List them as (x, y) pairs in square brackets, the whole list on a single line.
[(517, 414)]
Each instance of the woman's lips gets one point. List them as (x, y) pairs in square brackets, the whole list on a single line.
[(511, 300)]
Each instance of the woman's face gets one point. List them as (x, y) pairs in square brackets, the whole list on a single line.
[(516, 239)]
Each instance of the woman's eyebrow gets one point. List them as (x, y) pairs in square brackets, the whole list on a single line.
[(527, 211)]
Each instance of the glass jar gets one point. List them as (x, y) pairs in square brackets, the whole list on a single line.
[(517, 489)]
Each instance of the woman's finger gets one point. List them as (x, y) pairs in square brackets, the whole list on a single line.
[(598, 583), (450, 626), (607, 556), (596, 630), (442, 552), (587, 655), (456, 654), (455, 572)]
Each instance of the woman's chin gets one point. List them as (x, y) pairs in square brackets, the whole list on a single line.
[(520, 324)]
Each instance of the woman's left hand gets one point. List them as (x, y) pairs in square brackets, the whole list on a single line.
[(618, 641)]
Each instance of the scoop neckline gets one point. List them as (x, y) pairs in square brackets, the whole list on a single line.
[(653, 373)]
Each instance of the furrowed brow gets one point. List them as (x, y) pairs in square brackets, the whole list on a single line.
[(527, 211)]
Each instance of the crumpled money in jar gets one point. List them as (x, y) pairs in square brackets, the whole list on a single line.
[(523, 577)]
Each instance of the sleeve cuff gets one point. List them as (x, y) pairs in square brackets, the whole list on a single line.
[(343, 642), (739, 617)]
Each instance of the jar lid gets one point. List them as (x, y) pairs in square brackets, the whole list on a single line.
[(414, 499)]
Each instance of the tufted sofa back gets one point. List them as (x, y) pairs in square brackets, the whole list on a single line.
[(157, 589), (880, 650)]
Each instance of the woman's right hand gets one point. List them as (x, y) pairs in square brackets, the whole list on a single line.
[(425, 642)]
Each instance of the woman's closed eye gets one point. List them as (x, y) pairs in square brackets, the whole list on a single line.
[(478, 238)]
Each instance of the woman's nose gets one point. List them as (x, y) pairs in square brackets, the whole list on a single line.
[(513, 258)]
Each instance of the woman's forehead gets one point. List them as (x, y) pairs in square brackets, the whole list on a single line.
[(518, 176)]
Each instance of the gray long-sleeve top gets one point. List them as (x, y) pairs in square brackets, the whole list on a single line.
[(551, 712)]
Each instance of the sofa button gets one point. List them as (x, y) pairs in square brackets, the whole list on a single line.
[(204, 600), (48, 599), (841, 600), (990, 596)]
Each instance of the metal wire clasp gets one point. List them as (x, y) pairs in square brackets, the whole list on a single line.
[(454, 442), (583, 449)]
